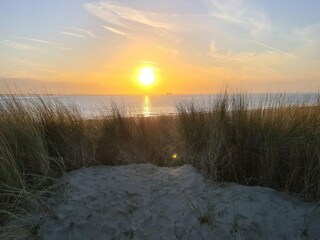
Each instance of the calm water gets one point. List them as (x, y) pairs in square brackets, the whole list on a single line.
[(149, 105)]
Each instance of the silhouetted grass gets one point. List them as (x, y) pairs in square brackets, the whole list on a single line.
[(276, 144), (122, 140), (39, 141)]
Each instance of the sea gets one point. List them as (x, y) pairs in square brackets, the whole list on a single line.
[(92, 106)]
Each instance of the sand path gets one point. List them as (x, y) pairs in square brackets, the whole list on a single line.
[(142, 201)]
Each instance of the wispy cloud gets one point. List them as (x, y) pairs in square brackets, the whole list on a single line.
[(78, 32), (273, 56), (120, 15), (116, 31), (308, 35), (72, 34), (241, 14), (65, 49), (37, 40), (45, 42), (148, 62), (167, 50), (308, 30), (273, 48), (24, 62), (18, 46), (131, 21), (33, 65), (83, 31)]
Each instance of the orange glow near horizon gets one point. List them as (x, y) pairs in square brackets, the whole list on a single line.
[(134, 48)]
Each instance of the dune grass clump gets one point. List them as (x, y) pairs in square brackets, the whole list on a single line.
[(123, 140), (66, 133), (23, 137), (39, 141), (276, 144)]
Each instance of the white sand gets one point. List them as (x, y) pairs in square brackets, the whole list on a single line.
[(147, 202)]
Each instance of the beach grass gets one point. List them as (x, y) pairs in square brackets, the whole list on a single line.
[(275, 144), (122, 140)]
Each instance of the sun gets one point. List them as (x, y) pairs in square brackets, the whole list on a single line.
[(146, 76)]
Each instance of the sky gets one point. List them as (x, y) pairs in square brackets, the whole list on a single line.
[(194, 46)]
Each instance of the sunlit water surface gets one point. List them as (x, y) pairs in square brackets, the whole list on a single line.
[(153, 105)]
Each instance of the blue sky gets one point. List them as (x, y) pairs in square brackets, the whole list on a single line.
[(83, 46)]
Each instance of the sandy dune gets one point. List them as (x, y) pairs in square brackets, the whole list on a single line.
[(147, 202)]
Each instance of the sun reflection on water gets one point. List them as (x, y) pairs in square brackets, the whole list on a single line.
[(146, 106)]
